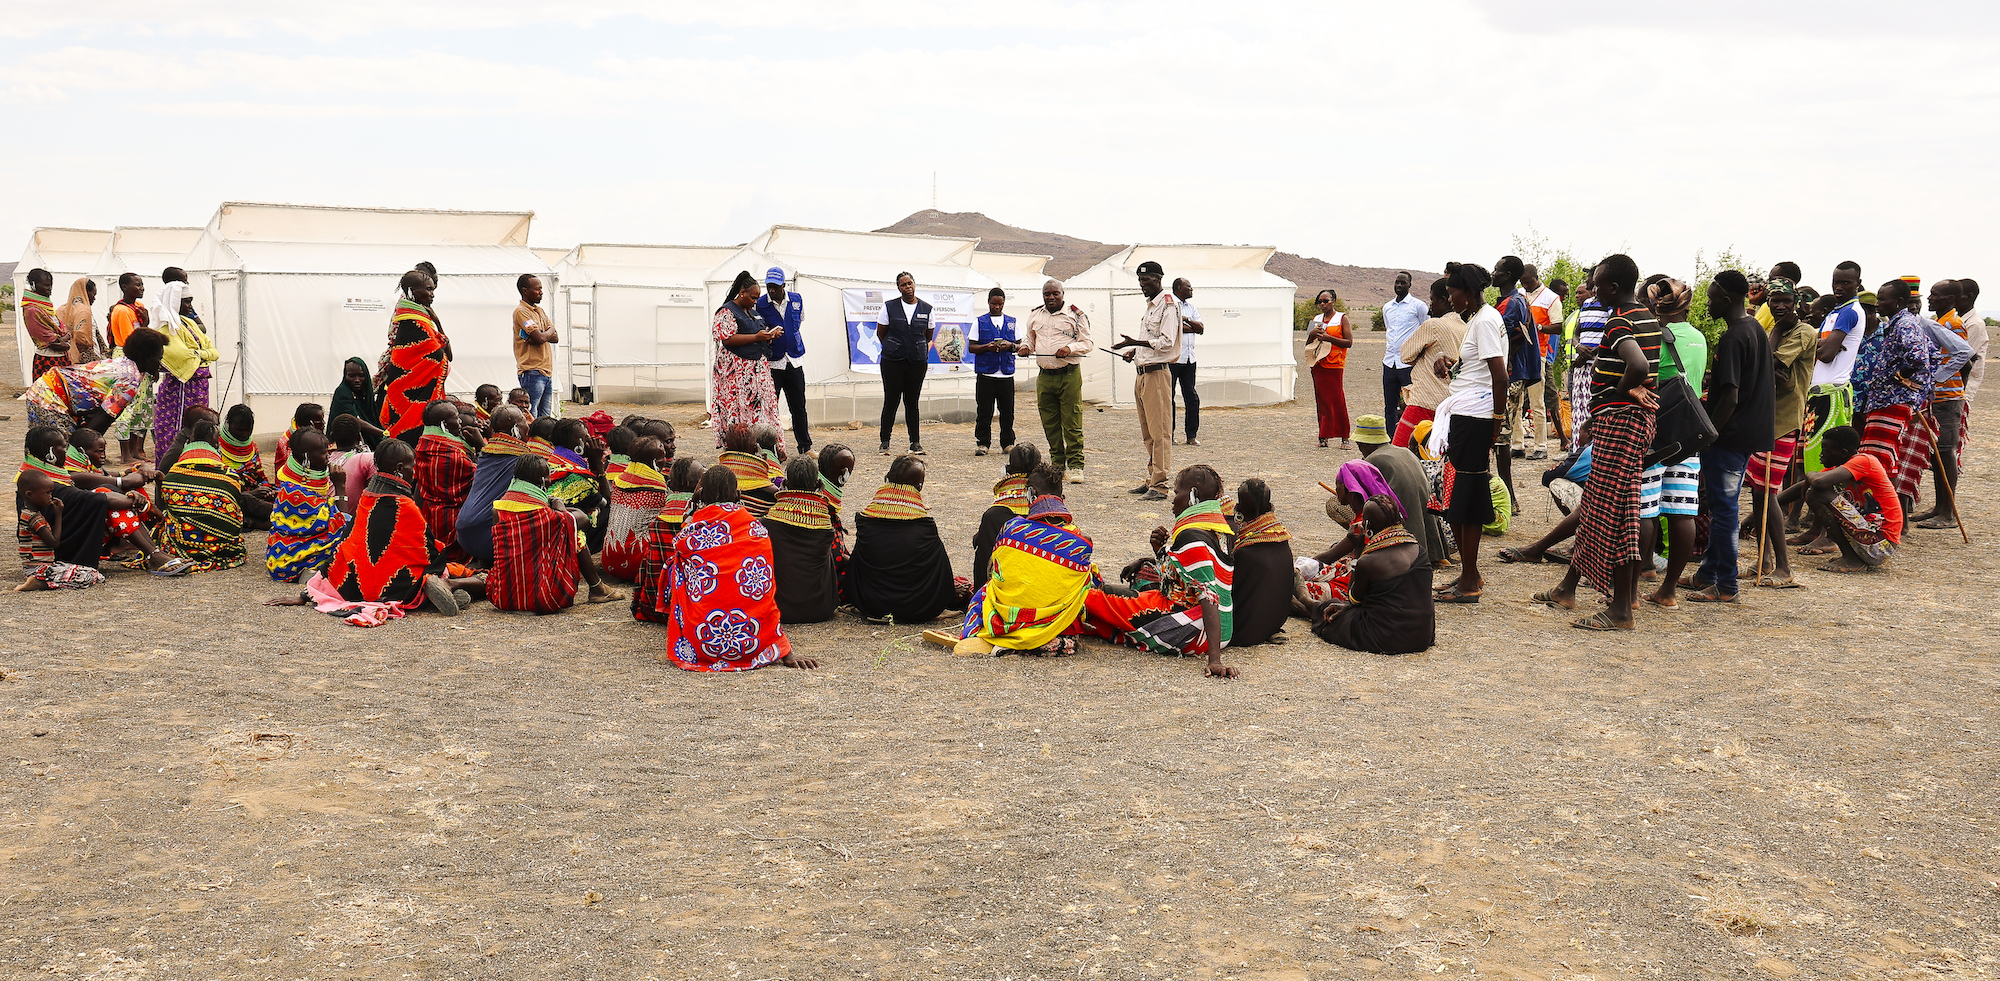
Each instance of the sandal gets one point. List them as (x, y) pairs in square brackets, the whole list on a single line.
[(610, 596), (1773, 582), (942, 638), (1547, 597), (1060, 647), (1601, 622), (1452, 594), (1512, 554), (1673, 607), (174, 569), (1836, 567), (1557, 555), (1710, 595), (1818, 549)]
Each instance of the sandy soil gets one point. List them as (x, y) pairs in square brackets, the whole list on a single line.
[(197, 786)]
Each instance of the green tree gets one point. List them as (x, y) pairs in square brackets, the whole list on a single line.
[(6, 296), (1303, 313)]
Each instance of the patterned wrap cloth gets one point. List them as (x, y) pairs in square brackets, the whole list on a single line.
[(721, 587)]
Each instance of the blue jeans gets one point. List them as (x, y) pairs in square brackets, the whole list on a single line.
[(540, 388), (1721, 487)]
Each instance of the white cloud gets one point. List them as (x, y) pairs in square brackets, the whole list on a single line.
[(1367, 134)]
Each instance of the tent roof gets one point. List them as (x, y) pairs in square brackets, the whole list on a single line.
[(144, 250), (237, 221), (993, 263), (645, 265), (827, 243), (371, 260), (64, 250), (552, 257), (1206, 265)]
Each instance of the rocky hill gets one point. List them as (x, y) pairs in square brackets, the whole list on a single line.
[(1360, 286)]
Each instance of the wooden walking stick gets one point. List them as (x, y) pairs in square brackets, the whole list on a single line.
[(1950, 496), (1764, 525)]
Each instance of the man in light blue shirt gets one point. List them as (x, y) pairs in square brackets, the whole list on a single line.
[(1401, 315)]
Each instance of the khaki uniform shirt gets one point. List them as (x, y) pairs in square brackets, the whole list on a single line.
[(1161, 325), (1051, 332)]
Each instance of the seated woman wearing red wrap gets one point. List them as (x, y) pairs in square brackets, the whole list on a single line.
[(650, 598), (722, 588), (638, 494), (444, 476), (538, 548), (388, 563)]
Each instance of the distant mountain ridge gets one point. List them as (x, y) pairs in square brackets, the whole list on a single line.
[(1360, 286)]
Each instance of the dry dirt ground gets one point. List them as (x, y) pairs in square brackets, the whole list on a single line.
[(197, 786)]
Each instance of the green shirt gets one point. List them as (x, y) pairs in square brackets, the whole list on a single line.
[(1694, 349)]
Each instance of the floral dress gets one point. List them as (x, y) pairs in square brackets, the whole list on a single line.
[(743, 391)]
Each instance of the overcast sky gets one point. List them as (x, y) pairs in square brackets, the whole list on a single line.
[(1373, 133)]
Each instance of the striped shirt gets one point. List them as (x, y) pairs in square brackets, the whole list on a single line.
[(1638, 324)]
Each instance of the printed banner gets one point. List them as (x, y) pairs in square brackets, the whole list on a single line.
[(952, 316)]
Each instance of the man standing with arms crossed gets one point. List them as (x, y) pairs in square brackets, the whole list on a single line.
[(1152, 387), (534, 347), (1402, 316), (784, 310), (1058, 337)]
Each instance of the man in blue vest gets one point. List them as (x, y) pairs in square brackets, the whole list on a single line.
[(784, 310), (993, 347), (904, 329)]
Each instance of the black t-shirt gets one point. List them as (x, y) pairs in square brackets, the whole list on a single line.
[(1742, 358)]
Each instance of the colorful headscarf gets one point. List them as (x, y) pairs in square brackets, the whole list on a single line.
[(1670, 299), (1361, 477), (1049, 507)]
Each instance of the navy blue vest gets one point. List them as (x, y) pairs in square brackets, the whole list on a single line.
[(747, 322), (906, 340)]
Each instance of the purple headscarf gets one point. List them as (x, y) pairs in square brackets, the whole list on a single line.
[(1361, 477)]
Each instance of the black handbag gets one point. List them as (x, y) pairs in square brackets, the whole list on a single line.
[(1683, 428)]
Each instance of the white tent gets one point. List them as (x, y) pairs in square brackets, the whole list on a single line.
[(634, 320), (67, 253), (823, 263), (290, 291), (1020, 275), (147, 251), (1246, 354)]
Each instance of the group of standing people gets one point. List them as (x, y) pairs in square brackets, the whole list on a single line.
[(1827, 407)]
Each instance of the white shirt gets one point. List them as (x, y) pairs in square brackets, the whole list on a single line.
[(1546, 299), (1841, 368), (1485, 337), (1188, 312), (1402, 318), (909, 312)]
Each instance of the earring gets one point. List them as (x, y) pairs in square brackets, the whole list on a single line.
[(51, 457)]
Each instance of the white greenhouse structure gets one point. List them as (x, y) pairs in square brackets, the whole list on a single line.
[(290, 292), (68, 254)]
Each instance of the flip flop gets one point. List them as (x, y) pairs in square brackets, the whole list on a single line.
[(1451, 594), (1601, 621), (1547, 597), (942, 638), (1674, 607), (1818, 549), (1511, 554), (175, 568)]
